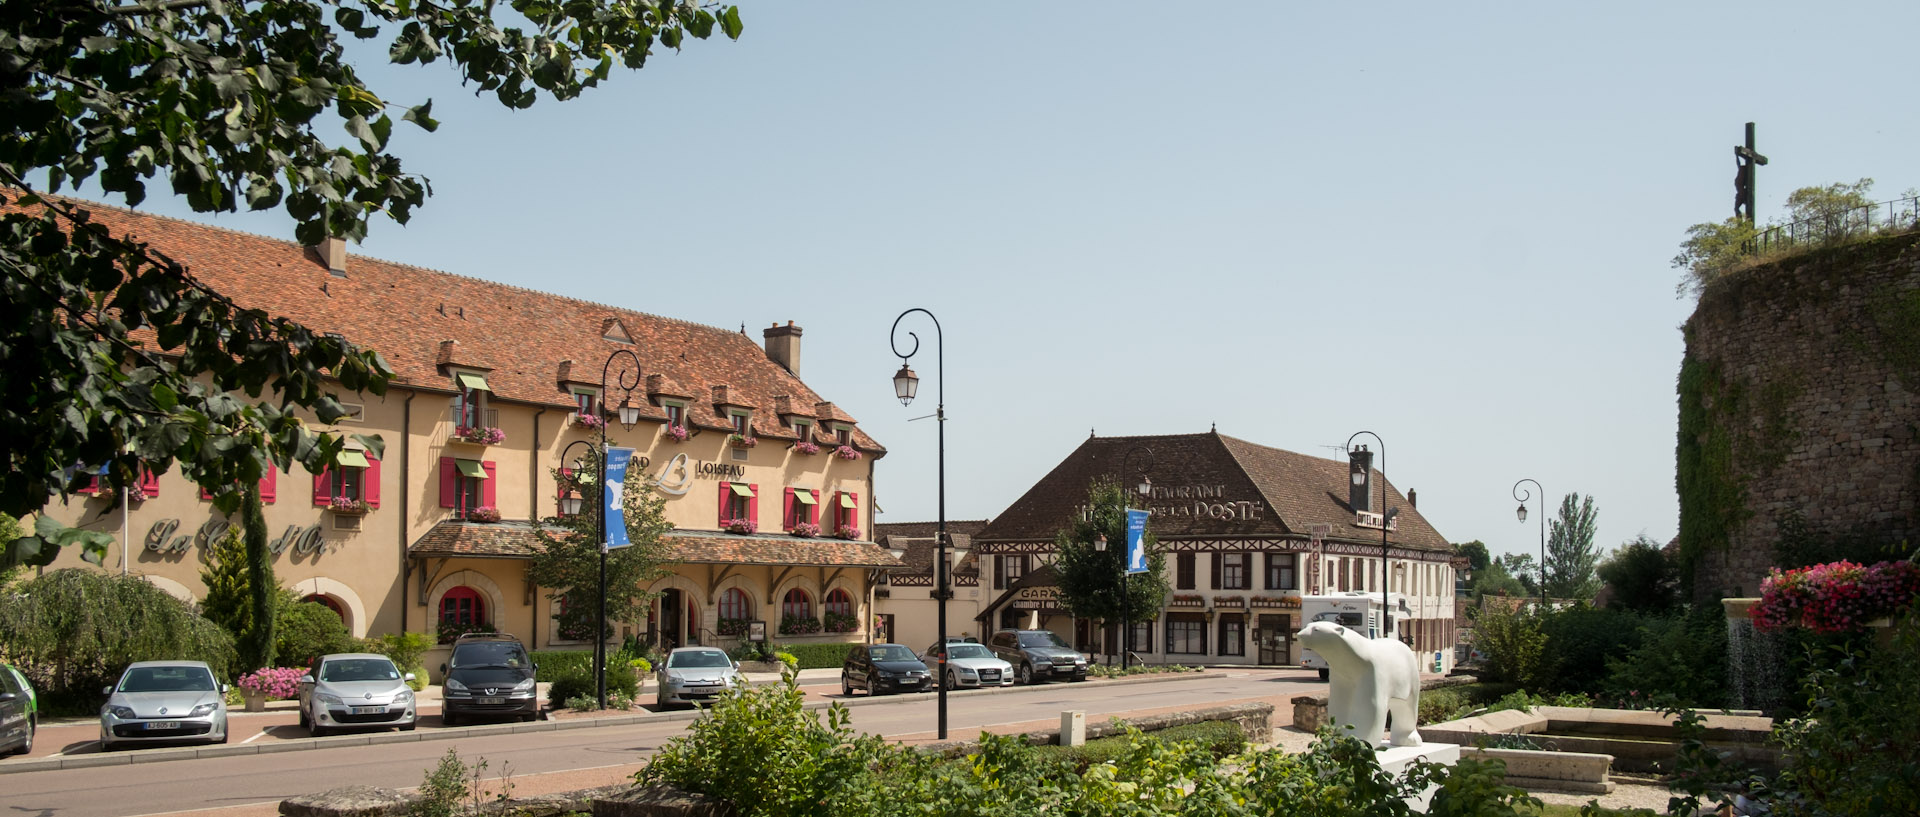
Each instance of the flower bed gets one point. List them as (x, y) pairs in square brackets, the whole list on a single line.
[(276, 683), (805, 530), (846, 452), (480, 435), (1837, 597), (805, 447), (484, 513), (795, 625)]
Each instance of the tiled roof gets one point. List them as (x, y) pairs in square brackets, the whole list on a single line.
[(501, 540), (1296, 490), (916, 538), (515, 540), (420, 319)]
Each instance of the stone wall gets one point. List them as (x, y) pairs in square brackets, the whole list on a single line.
[(1800, 412), (1254, 719)]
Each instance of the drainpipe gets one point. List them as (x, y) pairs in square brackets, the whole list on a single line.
[(406, 490), (533, 513), (125, 511)]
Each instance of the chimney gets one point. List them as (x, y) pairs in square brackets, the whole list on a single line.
[(1413, 498), (783, 346), (1360, 479), (333, 253)]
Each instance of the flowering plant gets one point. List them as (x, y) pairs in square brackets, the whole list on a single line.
[(846, 452), (841, 622), (732, 626), (343, 504), (738, 440), (678, 433), (847, 532), (1187, 601), (1836, 597), (806, 447), (451, 630), (739, 525), (588, 421), (480, 434), (797, 625), (484, 513), (276, 683), (805, 529)]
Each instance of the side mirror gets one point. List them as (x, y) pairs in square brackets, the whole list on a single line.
[(536, 667), (443, 669), (306, 679), (7, 696), (106, 690), (224, 688), (407, 677)]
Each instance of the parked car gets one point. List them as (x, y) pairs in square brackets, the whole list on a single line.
[(488, 674), (880, 668), (969, 664), (691, 675), (355, 689), (163, 702), (19, 712), (1039, 655)]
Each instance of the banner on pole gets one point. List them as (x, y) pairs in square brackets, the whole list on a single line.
[(616, 488), (1136, 541)]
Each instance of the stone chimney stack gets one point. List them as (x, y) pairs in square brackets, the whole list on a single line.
[(333, 253), (1413, 498), (1360, 479), (783, 346)]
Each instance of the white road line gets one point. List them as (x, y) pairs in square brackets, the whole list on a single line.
[(262, 734)]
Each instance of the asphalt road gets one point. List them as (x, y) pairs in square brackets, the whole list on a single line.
[(212, 783)]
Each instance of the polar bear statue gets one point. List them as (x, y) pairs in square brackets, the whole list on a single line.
[(1367, 678)]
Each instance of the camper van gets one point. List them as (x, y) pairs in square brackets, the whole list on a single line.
[(1355, 610)]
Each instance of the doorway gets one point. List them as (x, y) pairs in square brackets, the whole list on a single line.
[(670, 636), (1276, 639)]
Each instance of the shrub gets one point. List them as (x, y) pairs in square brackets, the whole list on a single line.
[(406, 649), (306, 630), (1218, 738), (1513, 642), (579, 684), (551, 664), (277, 683), (1857, 755), (1580, 641), (791, 661), (1682, 659), (817, 656)]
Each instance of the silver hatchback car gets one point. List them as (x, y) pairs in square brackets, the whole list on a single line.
[(356, 689), (164, 702)]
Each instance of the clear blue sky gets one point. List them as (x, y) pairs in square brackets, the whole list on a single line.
[(1448, 223)]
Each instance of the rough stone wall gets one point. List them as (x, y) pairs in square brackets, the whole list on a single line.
[(1800, 404)]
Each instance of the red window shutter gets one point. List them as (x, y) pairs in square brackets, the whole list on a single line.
[(149, 483), (488, 496), (449, 483), (853, 513), (323, 488), (786, 506), (813, 511), (370, 482), (726, 493), (753, 506), (269, 485)]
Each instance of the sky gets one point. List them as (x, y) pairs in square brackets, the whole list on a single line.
[(1446, 223)]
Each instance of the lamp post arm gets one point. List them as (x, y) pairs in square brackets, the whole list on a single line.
[(1523, 496)]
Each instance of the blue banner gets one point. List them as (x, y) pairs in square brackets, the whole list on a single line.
[(616, 482), (1136, 541)]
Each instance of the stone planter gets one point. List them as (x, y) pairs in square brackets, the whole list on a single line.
[(762, 666), (1739, 609), (256, 701)]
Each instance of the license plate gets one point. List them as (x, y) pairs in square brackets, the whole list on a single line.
[(489, 701), (163, 725), (368, 710)]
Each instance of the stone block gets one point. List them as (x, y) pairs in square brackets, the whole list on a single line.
[(660, 801), (1396, 759), (349, 801), (1578, 772)]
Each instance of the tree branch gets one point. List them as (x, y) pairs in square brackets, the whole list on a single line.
[(151, 7)]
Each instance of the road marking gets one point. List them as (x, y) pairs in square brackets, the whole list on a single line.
[(89, 744), (262, 734)]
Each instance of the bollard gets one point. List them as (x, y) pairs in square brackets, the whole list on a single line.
[(1073, 728)]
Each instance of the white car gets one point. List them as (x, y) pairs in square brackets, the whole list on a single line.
[(356, 689), (163, 702), (693, 675), (970, 664)]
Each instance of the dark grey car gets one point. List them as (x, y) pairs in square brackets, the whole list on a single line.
[(1038, 655)]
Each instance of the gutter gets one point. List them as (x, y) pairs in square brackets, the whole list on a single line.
[(406, 477), (533, 513)]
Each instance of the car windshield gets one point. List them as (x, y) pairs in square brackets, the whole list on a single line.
[(699, 659), (891, 652), (167, 679), (967, 651), (1349, 620), (359, 669), (489, 654), (1041, 638)]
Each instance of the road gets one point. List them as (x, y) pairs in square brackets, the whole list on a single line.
[(596, 756)]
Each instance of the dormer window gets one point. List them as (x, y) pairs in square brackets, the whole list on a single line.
[(586, 403), (676, 413), (843, 434), (801, 428), (742, 423), (469, 403)]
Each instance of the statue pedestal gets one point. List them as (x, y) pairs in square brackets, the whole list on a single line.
[(1396, 759)]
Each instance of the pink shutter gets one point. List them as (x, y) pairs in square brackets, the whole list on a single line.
[(449, 483), (370, 483), (149, 483), (786, 507), (726, 493), (813, 511), (753, 506), (323, 488), (853, 513), (487, 491), (269, 485), (206, 494)]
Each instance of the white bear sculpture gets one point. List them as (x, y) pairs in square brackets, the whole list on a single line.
[(1367, 678)]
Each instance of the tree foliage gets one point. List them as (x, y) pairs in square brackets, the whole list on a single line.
[(568, 559), (1514, 643), (1496, 580), (1815, 215), (1571, 554), (1642, 578), (1476, 552), (229, 584), (306, 630), (1089, 580)]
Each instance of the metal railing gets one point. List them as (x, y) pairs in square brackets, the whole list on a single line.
[(1841, 225)]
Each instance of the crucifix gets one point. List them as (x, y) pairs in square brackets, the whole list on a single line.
[(1744, 160)]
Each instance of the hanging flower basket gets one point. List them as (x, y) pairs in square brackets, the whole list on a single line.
[(1838, 597), (846, 452), (738, 440), (589, 422), (479, 435), (484, 513), (348, 507), (806, 447), (740, 526), (678, 433), (847, 532), (805, 530)]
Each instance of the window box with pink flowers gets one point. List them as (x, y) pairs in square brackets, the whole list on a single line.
[(738, 440), (678, 433), (484, 513), (479, 435), (847, 532), (805, 530), (739, 526), (806, 447), (846, 452), (348, 507), (1838, 597), (589, 422)]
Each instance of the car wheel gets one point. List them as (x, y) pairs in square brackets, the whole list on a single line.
[(1324, 672), (1026, 673), (304, 722), (846, 686), (314, 728), (953, 681), (447, 718), (26, 748)]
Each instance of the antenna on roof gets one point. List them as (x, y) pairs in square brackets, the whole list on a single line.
[(743, 327), (1213, 427)]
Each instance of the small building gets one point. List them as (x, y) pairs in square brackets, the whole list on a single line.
[(1246, 530), (905, 601)]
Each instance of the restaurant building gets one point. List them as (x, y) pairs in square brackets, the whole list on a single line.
[(905, 602), (1246, 530), (768, 484)]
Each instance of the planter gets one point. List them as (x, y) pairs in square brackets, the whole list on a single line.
[(256, 701), (762, 666), (1739, 609), (742, 441), (478, 435)]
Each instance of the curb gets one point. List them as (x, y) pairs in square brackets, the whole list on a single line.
[(130, 757)]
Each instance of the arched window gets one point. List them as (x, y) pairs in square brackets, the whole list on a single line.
[(839, 603), (796, 604), (463, 607), (734, 604)]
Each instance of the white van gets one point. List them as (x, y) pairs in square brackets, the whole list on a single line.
[(1355, 610)]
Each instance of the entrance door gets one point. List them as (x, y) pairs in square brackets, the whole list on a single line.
[(1276, 638), (670, 620)]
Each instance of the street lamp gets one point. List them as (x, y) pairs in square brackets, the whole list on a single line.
[(1145, 487), (1386, 516), (1523, 496), (905, 385), (629, 413)]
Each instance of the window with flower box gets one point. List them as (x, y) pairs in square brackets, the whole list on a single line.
[(462, 610), (1230, 571), (837, 612), (586, 402), (796, 604), (843, 434), (467, 485), (739, 510), (269, 486), (470, 399), (676, 413), (742, 423), (801, 511), (846, 514), (803, 428), (735, 605), (352, 483)]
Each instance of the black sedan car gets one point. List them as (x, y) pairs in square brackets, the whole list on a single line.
[(884, 668)]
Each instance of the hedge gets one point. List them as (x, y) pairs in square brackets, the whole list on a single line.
[(551, 664), (818, 656), (1222, 737)]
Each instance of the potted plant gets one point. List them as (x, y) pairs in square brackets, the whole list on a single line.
[(484, 513), (347, 506), (805, 530), (450, 630), (739, 525), (846, 452), (806, 447), (269, 683), (1837, 597), (678, 433), (589, 421), (738, 440), (847, 532), (480, 435)]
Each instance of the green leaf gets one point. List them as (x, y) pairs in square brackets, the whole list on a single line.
[(164, 397), (730, 22), (374, 445), (422, 115)]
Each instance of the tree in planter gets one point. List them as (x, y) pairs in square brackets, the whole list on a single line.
[(567, 560), (1089, 580)]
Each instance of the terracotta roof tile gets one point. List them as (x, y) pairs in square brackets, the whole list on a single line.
[(917, 539), (503, 540), (720, 548)]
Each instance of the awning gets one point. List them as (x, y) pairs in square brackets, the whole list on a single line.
[(470, 468), (803, 497), (350, 458), (473, 381), (742, 489), (846, 501)]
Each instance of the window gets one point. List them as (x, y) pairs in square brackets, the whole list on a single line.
[(1142, 636), (676, 413), (1280, 571), (585, 402), (843, 434), (1233, 571), (1011, 569), (469, 404), (354, 477), (734, 604), (839, 603), (739, 506), (742, 424), (846, 512), (801, 428), (803, 508), (1183, 571), (463, 606), (796, 604), (1233, 634), (1186, 634), (466, 484)]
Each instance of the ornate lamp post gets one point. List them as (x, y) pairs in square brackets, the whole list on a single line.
[(1523, 496), (1360, 477), (569, 505), (905, 385), (1144, 488)]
